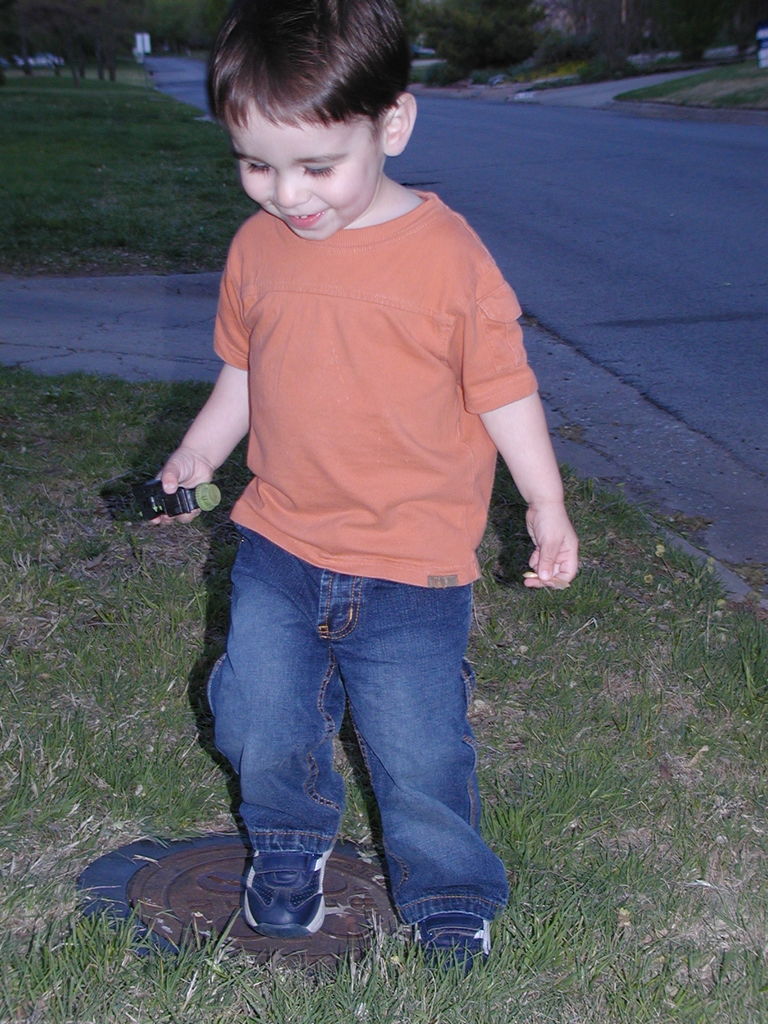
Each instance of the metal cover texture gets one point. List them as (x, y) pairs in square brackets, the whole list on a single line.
[(186, 893)]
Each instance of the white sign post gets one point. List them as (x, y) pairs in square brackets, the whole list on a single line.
[(142, 46), (762, 44)]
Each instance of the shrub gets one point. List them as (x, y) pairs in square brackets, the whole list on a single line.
[(556, 48), (441, 73), (601, 70), (472, 34)]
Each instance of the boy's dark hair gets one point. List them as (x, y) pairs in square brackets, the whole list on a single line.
[(308, 60)]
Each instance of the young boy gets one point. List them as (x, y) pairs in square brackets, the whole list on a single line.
[(373, 357)]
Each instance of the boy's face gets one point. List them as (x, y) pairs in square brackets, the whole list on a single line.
[(318, 179)]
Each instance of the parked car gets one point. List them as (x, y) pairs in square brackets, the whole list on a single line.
[(40, 60)]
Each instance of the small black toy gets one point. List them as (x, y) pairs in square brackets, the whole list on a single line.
[(152, 501)]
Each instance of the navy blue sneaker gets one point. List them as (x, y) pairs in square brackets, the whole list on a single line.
[(455, 939), (284, 893)]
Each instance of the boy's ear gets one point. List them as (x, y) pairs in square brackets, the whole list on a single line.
[(398, 124)]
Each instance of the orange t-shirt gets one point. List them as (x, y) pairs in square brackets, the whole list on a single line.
[(370, 355)]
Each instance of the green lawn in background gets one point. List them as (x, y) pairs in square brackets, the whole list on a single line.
[(732, 86), (112, 178)]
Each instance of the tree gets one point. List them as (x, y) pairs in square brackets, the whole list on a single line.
[(184, 24), (107, 29), (473, 34), (7, 35), (57, 26), (615, 26), (691, 25), (214, 12), (746, 16), (77, 30)]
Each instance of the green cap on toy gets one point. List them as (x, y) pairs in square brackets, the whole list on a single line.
[(207, 496)]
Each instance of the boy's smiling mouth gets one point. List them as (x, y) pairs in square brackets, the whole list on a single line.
[(304, 220)]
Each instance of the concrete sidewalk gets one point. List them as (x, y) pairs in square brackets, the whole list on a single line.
[(596, 94), (138, 327)]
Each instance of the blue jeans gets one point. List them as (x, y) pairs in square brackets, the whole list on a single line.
[(304, 641)]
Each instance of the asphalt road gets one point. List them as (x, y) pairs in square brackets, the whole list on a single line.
[(640, 242), (639, 251)]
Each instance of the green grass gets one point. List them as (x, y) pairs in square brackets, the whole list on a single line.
[(111, 178), (622, 728), (742, 85)]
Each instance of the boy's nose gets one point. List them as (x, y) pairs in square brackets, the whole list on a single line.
[(289, 193)]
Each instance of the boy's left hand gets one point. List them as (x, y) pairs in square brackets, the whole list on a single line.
[(555, 560)]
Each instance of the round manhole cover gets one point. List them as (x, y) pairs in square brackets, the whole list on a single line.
[(186, 892)]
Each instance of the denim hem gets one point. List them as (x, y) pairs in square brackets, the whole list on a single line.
[(291, 842), (412, 913)]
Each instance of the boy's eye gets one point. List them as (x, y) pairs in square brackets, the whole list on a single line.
[(256, 168), (319, 172)]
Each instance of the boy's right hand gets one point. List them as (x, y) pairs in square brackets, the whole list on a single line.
[(185, 468), (219, 426)]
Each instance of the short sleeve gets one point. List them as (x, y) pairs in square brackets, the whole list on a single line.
[(495, 365), (231, 335)]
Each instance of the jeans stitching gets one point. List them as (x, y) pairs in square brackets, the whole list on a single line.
[(330, 731), (474, 804), (289, 834), (310, 790), (468, 675), (353, 611), (211, 678), (323, 627), (491, 906)]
